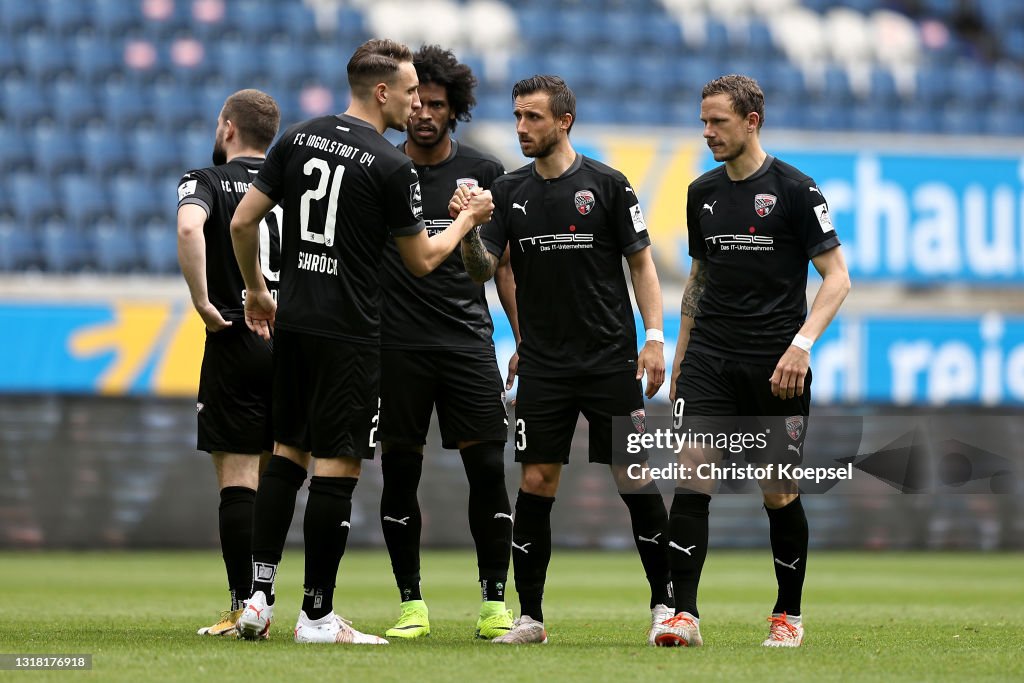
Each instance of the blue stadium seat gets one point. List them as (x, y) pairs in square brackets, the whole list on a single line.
[(19, 246), (756, 41), (606, 74), (960, 119), (175, 105), (883, 86), (104, 149), (828, 116), (10, 63), (55, 149), (970, 82), (117, 248), (74, 103), (623, 30), (135, 200), (1008, 85), (783, 112), (1013, 44), (114, 18), (299, 24), (1005, 121), (43, 56), (717, 39), (918, 117), (32, 197), (872, 117), (18, 16), (327, 66), (154, 150), (83, 199), (636, 111), (594, 111), (351, 24), (836, 88), (67, 16), (940, 8), (66, 248), (933, 85), (237, 61), (538, 27), (787, 81), (125, 104), (160, 247), (653, 73), (255, 20), (286, 67), (662, 32), (196, 149), (15, 151), (25, 103), (93, 59), (578, 28)]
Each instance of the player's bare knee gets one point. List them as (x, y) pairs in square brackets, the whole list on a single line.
[(344, 466), (774, 501), (540, 479)]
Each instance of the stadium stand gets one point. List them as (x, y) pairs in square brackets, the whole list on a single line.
[(125, 90)]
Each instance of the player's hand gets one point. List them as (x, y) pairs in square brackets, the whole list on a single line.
[(652, 360), (481, 206), (460, 200), (674, 380), (513, 370), (788, 379), (260, 310), (212, 318)]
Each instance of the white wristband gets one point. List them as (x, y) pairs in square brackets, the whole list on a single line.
[(655, 336), (802, 342)]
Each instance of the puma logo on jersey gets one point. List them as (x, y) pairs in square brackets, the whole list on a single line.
[(711, 207), (653, 539), (812, 188), (403, 521), (675, 546), (502, 515), (788, 566), (521, 548), (521, 207), (346, 525)]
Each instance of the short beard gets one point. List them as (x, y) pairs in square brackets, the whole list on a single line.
[(544, 147), (220, 157)]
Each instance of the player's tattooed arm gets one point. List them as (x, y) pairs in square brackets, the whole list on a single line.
[(480, 263), (694, 289)]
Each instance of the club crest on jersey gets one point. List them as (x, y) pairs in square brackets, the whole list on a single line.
[(764, 203), (585, 202), (795, 427), (639, 418), (470, 183)]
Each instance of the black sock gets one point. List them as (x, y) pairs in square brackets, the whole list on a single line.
[(235, 515), (325, 530), (788, 529), (490, 515), (531, 551), (400, 518), (271, 517), (650, 522), (688, 546)]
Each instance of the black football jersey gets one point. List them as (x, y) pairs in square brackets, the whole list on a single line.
[(343, 187), (567, 237), (218, 190), (444, 309), (756, 237)]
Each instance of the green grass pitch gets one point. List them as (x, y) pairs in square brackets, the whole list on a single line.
[(875, 617)]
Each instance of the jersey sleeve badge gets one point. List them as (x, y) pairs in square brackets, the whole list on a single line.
[(824, 220), (186, 188), (639, 224)]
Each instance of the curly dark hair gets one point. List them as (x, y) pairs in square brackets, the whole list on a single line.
[(436, 65)]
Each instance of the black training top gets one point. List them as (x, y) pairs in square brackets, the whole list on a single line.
[(755, 237), (567, 237), (444, 309), (218, 190), (344, 188)]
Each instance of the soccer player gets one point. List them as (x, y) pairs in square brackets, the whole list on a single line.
[(436, 349), (568, 221), (745, 336), (233, 408), (344, 188)]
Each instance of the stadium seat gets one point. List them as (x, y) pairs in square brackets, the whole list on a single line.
[(124, 104), (154, 150), (970, 82), (44, 57), (960, 119), (196, 149), (882, 86), (115, 18), (10, 63), (918, 118), (66, 248), (160, 247), (537, 27), (117, 248), (105, 150), (235, 60), (67, 16), (350, 24), (255, 20), (15, 151), (83, 199), (1008, 85), (74, 103), (933, 85), (93, 59), (298, 23), (174, 106), (55, 149), (18, 16), (19, 246), (286, 67)]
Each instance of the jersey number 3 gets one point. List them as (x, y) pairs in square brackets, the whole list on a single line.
[(318, 193)]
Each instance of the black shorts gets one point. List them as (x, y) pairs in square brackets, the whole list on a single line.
[(233, 408), (466, 387), (326, 395), (547, 410), (724, 394)]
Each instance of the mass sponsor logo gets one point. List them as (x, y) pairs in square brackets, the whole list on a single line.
[(764, 203), (186, 188), (635, 213), (584, 202), (470, 183), (824, 220), (639, 418), (795, 427)]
